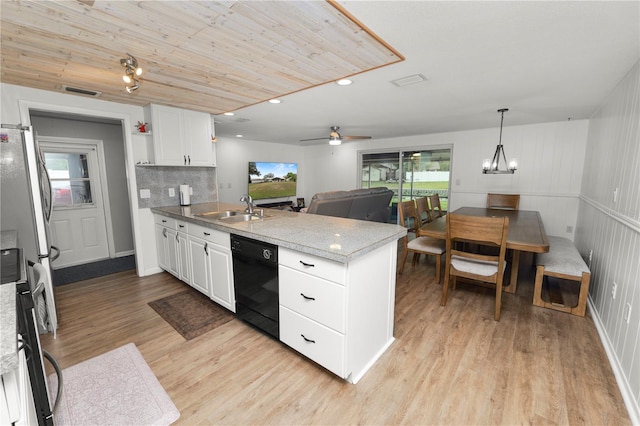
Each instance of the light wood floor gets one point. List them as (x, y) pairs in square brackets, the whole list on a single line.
[(448, 365)]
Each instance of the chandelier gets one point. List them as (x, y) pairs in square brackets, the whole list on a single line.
[(493, 166)]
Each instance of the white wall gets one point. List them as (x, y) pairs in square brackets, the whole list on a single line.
[(550, 160), (15, 102), (612, 230), (234, 156)]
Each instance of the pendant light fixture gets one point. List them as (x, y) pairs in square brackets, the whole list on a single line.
[(493, 167), (131, 73)]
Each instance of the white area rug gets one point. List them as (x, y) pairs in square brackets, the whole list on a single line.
[(115, 388)]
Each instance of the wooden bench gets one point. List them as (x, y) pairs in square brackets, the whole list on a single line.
[(562, 261)]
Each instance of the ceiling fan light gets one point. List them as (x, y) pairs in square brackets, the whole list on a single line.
[(335, 141)]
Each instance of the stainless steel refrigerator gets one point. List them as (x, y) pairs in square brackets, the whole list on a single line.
[(26, 208)]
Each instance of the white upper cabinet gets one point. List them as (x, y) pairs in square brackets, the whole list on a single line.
[(182, 137)]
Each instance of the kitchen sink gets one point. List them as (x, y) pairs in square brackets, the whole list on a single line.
[(231, 216)]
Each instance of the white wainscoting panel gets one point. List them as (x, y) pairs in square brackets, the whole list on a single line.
[(610, 228)]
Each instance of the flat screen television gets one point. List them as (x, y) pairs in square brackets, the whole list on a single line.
[(269, 180)]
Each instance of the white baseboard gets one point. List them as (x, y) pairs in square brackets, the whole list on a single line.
[(623, 383)]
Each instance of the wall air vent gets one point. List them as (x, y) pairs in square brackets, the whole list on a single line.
[(81, 91), (412, 79)]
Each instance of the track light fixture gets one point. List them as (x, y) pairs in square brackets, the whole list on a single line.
[(132, 72)]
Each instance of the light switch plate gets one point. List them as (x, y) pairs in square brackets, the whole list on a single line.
[(172, 192), (145, 193)]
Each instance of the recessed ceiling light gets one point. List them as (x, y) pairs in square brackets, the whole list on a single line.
[(274, 101), (239, 136), (344, 82), (229, 113)]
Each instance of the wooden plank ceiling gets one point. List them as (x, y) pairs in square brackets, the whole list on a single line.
[(212, 56)]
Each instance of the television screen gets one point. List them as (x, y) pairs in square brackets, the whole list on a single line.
[(272, 180)]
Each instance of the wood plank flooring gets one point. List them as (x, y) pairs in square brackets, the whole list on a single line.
[(448, 365)]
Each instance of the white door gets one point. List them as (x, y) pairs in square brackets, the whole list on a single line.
[(78, 226)]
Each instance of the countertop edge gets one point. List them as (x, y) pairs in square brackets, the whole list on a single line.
[(391, 232)]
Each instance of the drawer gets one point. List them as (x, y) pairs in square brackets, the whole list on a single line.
[(181, 226), (314, 265), (165, 221), (211, 235), (313, 340), (321, 300)]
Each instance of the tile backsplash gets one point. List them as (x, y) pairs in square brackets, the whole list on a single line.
[(158, 180)]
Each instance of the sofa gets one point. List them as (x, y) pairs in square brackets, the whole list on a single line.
[(363, 204)]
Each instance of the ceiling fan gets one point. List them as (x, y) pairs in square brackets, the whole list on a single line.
[(336, 138)]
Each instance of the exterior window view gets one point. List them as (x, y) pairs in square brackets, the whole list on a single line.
[(69, 174), (409, 174)]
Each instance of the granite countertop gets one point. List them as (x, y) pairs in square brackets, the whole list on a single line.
[(8, 326), (8, 330), (330, 237)]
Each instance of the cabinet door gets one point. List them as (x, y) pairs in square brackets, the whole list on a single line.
[(173, 265), (221, 278), (197, 143), (198, 252), (185, 259), (167, 135), (161, 246)]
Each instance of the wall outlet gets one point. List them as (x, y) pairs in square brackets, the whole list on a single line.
[(614, 290), (590, 256), (172, 192), (191, 190), (627, 312), (145, 193), (615, 195), (569, 229)]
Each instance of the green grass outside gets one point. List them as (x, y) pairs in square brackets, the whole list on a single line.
[(264, 190), (417, 186)]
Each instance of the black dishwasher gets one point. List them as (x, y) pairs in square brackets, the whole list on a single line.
[(255, 275)]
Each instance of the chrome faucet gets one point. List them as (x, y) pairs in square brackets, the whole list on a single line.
[(247, 199)]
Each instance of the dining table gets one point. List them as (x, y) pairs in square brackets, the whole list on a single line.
[(526, 233)]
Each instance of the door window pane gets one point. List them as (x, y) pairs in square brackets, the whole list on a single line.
[(70, 181)]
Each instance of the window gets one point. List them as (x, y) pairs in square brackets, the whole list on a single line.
[(409, 173), (70, 182)]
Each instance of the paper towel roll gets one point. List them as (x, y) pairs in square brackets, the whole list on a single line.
[(185, 199)]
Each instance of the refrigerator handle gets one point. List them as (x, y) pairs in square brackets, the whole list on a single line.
[(51, 256), (45, 172), (56, 254)]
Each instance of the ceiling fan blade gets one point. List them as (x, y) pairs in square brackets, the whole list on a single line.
[(315, 139), (346, 138)]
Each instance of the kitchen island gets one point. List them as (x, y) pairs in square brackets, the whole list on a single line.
[(336, 276)]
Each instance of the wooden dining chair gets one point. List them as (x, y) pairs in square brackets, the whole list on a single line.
[(503, 201), (461, 261), (436, 208), (424, 213), (420, 245)]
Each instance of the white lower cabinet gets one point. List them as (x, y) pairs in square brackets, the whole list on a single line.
[(339, 315), (211, 264), (199, 256), (184, 260), (167, 245), (313, 340), (199, 265)]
